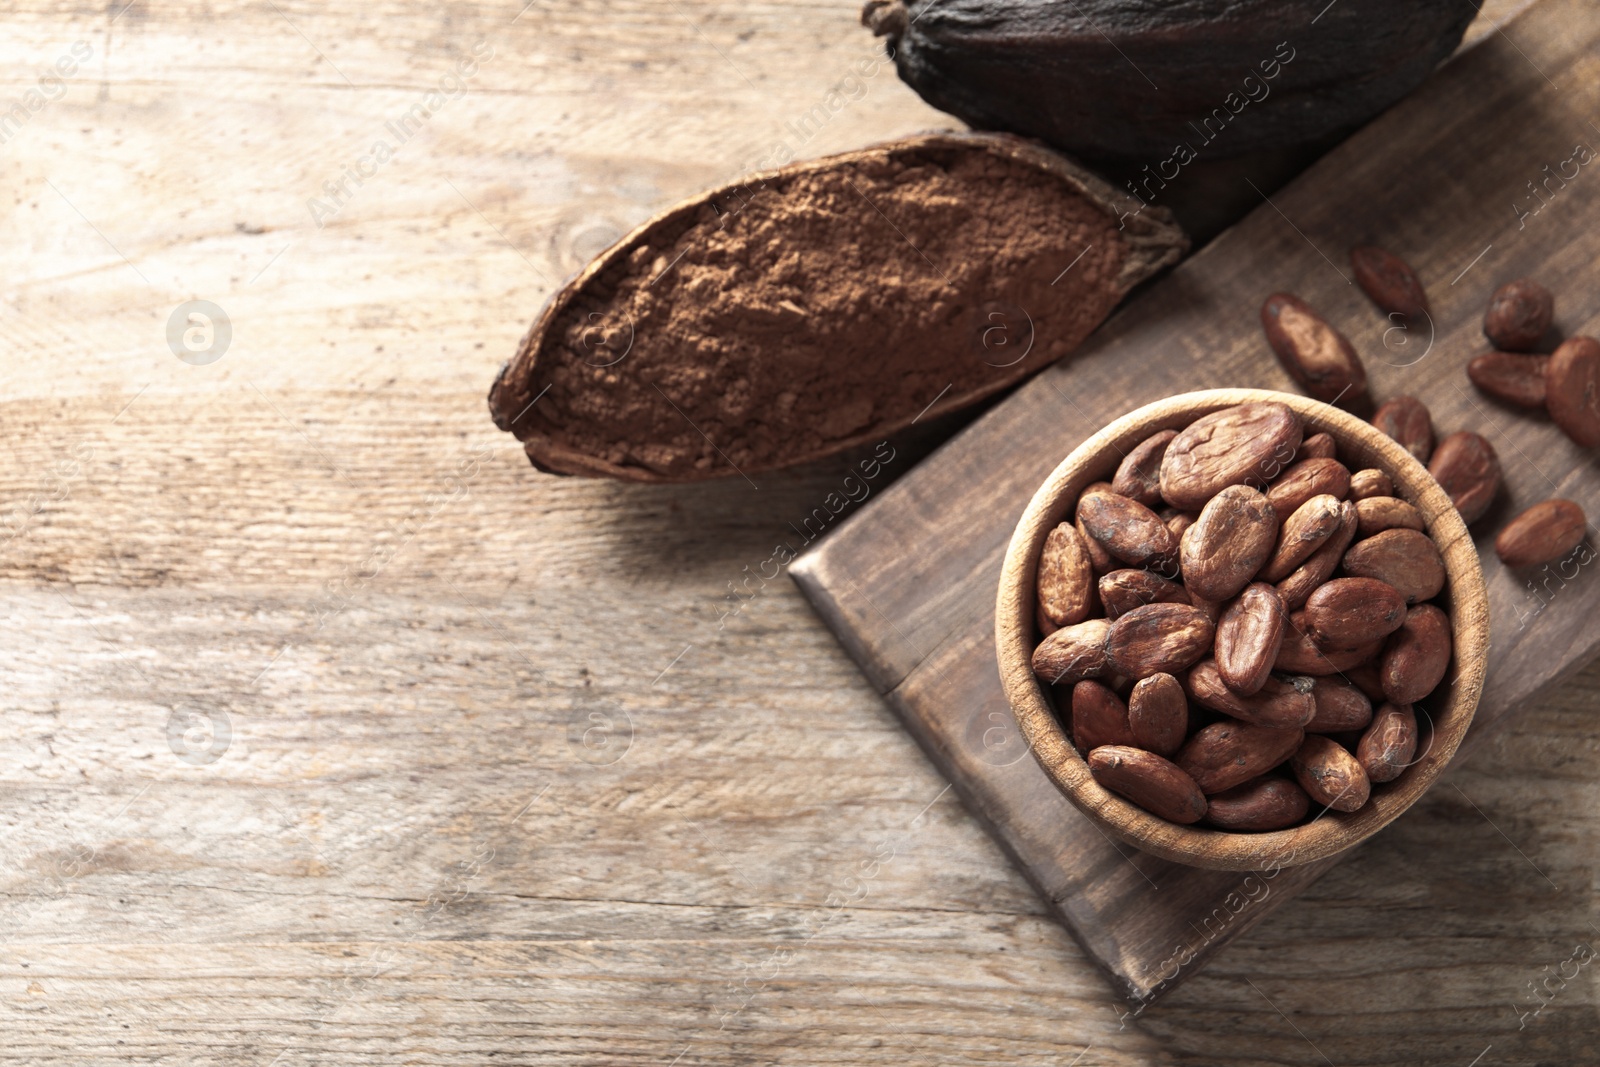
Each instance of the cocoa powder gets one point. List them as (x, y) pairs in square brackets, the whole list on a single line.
[(786, 319)]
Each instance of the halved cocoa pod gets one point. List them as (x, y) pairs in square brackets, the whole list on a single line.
[(1376, 514), (1465, 465), (1249, 634), (1298, 587), (1158, 639), (1306, 479), (1519, 314), (1129, 531), (1406, 419), (1416, 656), (1284, 703), (1406, 559), (1139, 475), (1388, 745), (1244, 445), (1370, 482), (1329, 774), (1541, 534), (1389, 282), (1510, 376), (1066, 579), (1351, 612), (1155, 784), (693, 347), (1260, 805), (1573, 383), (1127, 588), (1341, 706), (1316, 355), (1099, 717), (1130, 81), (1158, 714), (1072, 653), (1227, 753)]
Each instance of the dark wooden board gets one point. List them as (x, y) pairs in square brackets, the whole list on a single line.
[(1443, 179)]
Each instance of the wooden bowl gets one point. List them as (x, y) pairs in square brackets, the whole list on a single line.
[(1451, 707)]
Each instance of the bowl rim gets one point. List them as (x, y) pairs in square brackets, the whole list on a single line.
[(1330, 832)]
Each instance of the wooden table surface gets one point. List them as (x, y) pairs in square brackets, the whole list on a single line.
[(337, 735)]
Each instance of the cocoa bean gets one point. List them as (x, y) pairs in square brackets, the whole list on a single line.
[(1369, 483), (1099, 717), (1389, 743), (1284, 703), (1351, 612), (1306, 479), (1155, 784), (1237, 445), (1157, 639), (1318, 446), (1139, 475), (1249, 634), (1573, 380), (1123, 590), (1340, 706), (1518, 316), (1072, 653), (1406, 559), (1329, 774), (1542, 534), (1129, 531), (1416, 656), (1259, 805), (1510, 376), (1228, 543), (1406, 419), (1301, 655), (1316, 355), (1158, 714), (1464, 463), (1376, 514), (1303, 533), (1298, 587), (1227, 753), (1389, 282), (1066, 580), (1179, 522)]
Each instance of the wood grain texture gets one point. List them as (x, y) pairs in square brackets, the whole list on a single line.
[(405, 665), (909, 584)]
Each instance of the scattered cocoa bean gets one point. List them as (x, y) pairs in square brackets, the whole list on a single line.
[(1227, 753), (1406, 419), (1510, 376), (1306, 479), (1123, 590), (1370, 483), (1315, 355), (1249, 634), (1139, 475), (1129, 531), (1072, 653), (1066, 580), (1303, 533), (1158, 638), (1389, 282), (1416, 656), (1518, 316), (1340, 706), (1099, 717), (1573, 380), (1233, 446), (1376, 514), (1351, 612), (1542, 534), (1464, 463), (1299, 586)]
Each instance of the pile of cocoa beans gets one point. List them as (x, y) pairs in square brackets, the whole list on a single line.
[(1567, 383), (1220, 619)]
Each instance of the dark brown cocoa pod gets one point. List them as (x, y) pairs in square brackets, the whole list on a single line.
[(1131, 80), (1518, 316), (1406, 419)]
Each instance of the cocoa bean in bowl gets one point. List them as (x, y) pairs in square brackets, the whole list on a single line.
[(1211, 713)]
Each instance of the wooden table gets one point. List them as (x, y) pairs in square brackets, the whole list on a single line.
[(337, 735)]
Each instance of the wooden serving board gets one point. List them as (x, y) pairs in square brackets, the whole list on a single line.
[(1443, 180)]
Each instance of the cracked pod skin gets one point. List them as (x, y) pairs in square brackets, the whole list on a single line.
[(1137, 79)]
